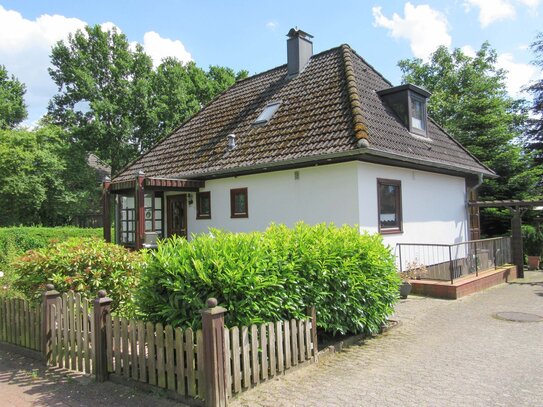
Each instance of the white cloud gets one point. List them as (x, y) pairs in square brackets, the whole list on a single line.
[(518, 74), (159, 48), (491, 10), (425, 28), (25, 46), (469, 51), (272, 25)]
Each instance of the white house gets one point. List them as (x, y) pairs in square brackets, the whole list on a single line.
[(323, 138)]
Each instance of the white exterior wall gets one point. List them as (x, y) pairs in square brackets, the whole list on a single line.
[(321, 194), (433, 205)]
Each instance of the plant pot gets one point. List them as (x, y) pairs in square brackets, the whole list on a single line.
[(405, 289), (533, 262)]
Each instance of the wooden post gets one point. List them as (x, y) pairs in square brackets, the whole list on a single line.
[(140, 210), (102, 307), (214, 354), (516, 241), (312, 314), (106, 209), (49, 297)]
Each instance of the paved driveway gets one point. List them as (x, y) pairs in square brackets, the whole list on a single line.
[(444, 353)]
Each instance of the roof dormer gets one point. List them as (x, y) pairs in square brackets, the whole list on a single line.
[(409, 103)]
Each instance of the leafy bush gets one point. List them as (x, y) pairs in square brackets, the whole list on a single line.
[(15, 241), (533, 241), (84, 265), (272, 275)]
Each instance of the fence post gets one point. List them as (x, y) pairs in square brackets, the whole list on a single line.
[(49, 297), (102, 307), (451, 265), (214, 354), (312, 314)]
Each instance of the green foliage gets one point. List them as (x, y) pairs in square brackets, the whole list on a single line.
[(84, 265), (114, 103), (44, 179), (268, 276), (535, 144), (532, 241), (12, 105), (15, 241), (469, 99)]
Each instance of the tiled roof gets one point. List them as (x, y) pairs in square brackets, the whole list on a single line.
[(319, 115)]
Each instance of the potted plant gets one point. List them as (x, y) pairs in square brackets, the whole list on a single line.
[(533, 246), (413, 271)]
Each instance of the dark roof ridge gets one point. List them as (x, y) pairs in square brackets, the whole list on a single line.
[(360, 129)]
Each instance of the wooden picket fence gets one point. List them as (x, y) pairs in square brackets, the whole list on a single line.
[(155, 354), (72, 328), (211, 364), (20, 323), (265, 351)]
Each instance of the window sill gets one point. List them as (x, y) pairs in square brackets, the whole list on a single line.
[(203, 217), (239, 216), (390, 231)]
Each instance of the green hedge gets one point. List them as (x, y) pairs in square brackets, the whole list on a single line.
[(272, 275), (15, 241), (83, 265)]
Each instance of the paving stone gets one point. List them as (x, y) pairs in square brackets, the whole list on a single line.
[(443, 353)]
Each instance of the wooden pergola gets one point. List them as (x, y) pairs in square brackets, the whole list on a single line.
[(517, 209)]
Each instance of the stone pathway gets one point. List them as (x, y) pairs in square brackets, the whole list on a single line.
[(443, 353)]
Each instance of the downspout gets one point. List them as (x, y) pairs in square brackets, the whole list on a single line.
[(469, 191)]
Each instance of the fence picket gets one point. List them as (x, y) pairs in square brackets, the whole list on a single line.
[(125, 351), (300, 334), (86, 334), (236, 369), (170, 363), (66, 334), (109, 341), (254, 354), (180, 360), (54, 343), (73, 358), (263, 353), (308, 339), (293, 342), (141, 351), (200, 364), (117, 344), (228, 362), (279, 344), (246, 360), (79, 332), (60, 333), (133, 350), (191, 379), (286, 344), (161, 373), (151, 352), (272, 347)]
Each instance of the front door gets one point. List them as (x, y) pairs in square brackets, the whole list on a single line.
[(177, 215)]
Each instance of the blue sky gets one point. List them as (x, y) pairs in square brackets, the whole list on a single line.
[(251, 35)]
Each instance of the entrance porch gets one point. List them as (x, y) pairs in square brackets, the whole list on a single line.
[(147, 208)]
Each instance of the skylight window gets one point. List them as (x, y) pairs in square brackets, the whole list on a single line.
[(267, 113)]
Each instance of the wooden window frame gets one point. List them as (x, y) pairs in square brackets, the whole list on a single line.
[(233, 193), (415, 97), (199, 196), (399, 209)]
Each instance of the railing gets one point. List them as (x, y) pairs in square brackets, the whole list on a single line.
[(449, 262)]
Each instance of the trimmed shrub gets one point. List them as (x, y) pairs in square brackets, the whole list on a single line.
[(268, 276), (83, 265), (15, 241)]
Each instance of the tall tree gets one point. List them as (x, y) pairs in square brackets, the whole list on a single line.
[(103, 92), (469, 99), (44, 179), (12, 106), (114, 103), (535, 132)]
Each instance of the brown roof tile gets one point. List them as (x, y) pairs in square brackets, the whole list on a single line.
[(316, 118)]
